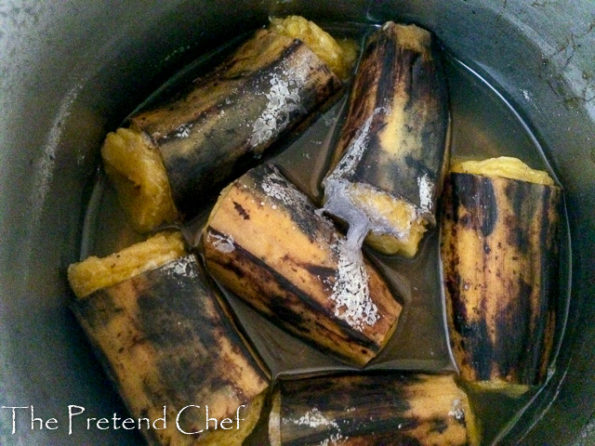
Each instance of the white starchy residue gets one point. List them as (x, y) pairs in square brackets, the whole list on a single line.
[(338, 202), (426, 187), (276, 186), (184, 266), (314, 418), (351, 294), (354, 152), (222, 243), (333, 440), (183, 131), (457, 410), (338, 189), (283, 99)]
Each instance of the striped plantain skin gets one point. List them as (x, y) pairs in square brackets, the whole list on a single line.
[(499, 257), (264, 242), (164, 341), (391, 152), (224, 123), (370, 410)]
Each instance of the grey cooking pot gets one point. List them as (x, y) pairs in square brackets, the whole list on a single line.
[(72, 70)]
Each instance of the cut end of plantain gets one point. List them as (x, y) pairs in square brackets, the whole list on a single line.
[(138, 174), (95, 273), (412, 38), (390, 245), (340, 56), (394, 225), (434, 394), (512, 390), (503, 167), (402, 227)]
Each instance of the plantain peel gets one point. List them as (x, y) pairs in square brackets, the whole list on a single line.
[(167, 344), (265, 242), (499, 252), (379, 409), (392, 148), (224, 121)]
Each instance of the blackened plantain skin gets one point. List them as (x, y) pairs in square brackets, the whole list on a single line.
[(225, 123), (393, 145), (500, 259), (403, 83), (165, 342), (367, 410), (265, 242)]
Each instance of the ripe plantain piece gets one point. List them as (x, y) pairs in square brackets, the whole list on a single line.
[(223, 123), (391, 153), (165, 342), (134, 166), (339, 55), (369, 410), (499, 256), (264, 242)]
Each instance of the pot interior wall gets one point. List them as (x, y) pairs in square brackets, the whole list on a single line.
[(72, 70)]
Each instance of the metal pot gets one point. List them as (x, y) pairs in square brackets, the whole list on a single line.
[(72, 70)]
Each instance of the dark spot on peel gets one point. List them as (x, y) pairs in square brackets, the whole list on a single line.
[(513, 335), (457, 302), (280, 307), (479, 348), (98, 309), (323, 272), (476, 194), (438, 425), (240, 210)]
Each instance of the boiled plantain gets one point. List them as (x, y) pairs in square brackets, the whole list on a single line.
[(499, 253), (392, 149), (371, 410), (169, 348), (265, 242), (184, 149)]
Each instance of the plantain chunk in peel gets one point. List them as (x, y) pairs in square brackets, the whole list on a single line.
[(165, 342), (499, 253), (391, 151), (264, 242), (371, 410), (225, 122)]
